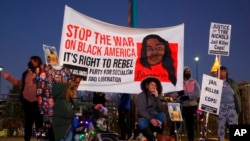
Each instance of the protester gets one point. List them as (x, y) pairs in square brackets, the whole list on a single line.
[(99, 98), (64, 106), (99, 109), (150, 108), (28, 96), (230, 105), (123, 106), (189, 101)]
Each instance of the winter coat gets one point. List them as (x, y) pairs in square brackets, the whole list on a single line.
[(63, 113), (147, 105), (237, 98)]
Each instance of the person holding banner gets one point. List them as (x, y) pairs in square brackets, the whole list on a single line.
[(230, 105), (64, 106), (189, 101), (156, 56), (150, 108)]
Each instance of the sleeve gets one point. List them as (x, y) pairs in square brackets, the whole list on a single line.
[(141, 106), (75, 105), (63, 110), (14, 81), (237, 96), (159, 104)]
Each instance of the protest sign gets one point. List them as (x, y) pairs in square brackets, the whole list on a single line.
[(210, 94)]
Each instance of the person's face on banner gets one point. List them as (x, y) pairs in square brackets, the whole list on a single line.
[(47, 93), (40, 100), (155, 51), (43, 75), (51, 102)]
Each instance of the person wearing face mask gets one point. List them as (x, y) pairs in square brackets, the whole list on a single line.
[(188, 98), (28, 95)]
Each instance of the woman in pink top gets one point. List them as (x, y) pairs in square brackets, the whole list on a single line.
[(28, 95)]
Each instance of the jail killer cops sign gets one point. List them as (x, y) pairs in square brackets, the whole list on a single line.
[(210, 94), (219, 41), (106, 55)]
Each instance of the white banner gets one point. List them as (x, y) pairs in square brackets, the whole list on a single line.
[(210, 94), (113, 58)]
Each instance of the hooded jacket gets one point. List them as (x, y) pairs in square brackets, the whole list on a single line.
[(63, 113), (191, 89)]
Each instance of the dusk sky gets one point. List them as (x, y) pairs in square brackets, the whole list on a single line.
[(28, 24)]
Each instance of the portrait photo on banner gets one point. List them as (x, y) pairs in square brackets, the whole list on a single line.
[(156, 57)]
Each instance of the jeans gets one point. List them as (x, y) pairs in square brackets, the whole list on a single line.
[(145, 123)]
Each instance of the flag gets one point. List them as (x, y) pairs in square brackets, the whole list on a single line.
[(132, 13), (216, 65)]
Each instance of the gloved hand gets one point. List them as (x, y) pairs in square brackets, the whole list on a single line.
[(180, 93), (184, 98)]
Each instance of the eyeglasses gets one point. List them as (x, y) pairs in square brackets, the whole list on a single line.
[(157, 49)]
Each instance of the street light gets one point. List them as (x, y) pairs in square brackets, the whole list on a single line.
[(196, 59), (1, 69)]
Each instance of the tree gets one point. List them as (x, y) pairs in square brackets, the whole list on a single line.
[(12, 115)]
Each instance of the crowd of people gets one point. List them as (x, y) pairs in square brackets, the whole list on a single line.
[(48, 96)]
